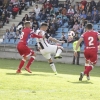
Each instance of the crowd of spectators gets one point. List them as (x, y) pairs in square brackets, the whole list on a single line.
[(56, 15)]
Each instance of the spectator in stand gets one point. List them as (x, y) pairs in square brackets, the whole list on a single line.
[(35, 25), (63, 37), (17, 35), (70, 11), (16, 3), (95, 18), (84, 2), (92, 4), (37, 10), (47, 11), (52, 12), (87, 8), (94, 10), (59, 22), (64, 11), (65, 5), (13, 1), (43, 15), (47, 4), (76, 26), (10, 9), (15, 11), (12, 34), (6, 35), (32, 14), (77, 15), (27, 2), (83, 15), (22, 4), (51, 31), (13, 27), (71, 22), (89, 17), (76, 7), (54, 3), (25, 18), (81, 7), (98, 6)]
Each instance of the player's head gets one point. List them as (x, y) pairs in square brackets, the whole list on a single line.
[(89, 26), (44, 26), (27, 24)]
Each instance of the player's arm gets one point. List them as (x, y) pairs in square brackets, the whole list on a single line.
[(55, 40), (33, 35), (77, 46)]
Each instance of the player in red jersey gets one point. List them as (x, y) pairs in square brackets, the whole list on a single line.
[(90, 38), (23, 49)]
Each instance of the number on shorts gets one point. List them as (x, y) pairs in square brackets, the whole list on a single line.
[(21, 36), (91, 39)]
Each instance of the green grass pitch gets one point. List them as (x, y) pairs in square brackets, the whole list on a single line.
[(42, 84)]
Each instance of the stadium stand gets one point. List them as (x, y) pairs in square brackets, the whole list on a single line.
[(61, 17)]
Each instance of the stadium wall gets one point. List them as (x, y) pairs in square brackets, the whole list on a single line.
[(10, 52)]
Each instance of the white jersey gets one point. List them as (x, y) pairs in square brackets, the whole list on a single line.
[(42, 42)]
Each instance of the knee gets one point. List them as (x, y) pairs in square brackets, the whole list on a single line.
[(59, 47)]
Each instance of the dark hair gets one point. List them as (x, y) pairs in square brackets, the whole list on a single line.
[(44, 24), (89, 26)]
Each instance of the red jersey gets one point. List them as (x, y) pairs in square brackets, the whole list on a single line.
[(90, 39), (26, 34)]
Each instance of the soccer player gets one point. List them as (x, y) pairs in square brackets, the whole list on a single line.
[(90, 38), (46, 49), (24, 50)]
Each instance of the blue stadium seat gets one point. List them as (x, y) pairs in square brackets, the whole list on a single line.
[(17, 40), (65, 30), (95, 27), (12, 41), (56, 10), (59, 30), (70, 46), (64, 45)]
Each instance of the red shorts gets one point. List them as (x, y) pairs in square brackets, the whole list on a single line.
[(91, 55), (24, 50)]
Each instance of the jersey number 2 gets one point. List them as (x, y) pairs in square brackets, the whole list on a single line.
[(91, 39)]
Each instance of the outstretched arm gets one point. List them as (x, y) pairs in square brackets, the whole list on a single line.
[(55, 40), (36, 36)]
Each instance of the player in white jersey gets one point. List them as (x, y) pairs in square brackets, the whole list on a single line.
[(47, 49)]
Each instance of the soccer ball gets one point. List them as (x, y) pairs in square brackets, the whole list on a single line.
[(71, 35)]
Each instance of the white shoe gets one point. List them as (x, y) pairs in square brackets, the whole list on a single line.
[(88, 77)]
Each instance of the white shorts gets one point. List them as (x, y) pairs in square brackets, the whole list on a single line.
[(47, 51)]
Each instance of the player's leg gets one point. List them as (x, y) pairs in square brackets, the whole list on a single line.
[(58, 52), (21, 49), (52, 65), (86, 55), (31, 60), (21, 64)]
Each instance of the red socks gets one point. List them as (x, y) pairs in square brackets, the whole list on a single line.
[(21, 64), (30, 61), (88, 69)]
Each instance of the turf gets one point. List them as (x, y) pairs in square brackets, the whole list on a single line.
[(42, 84)]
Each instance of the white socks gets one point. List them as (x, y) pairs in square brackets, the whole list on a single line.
[(59, 51), (52, 65)]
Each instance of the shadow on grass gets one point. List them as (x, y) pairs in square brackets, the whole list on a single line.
[(81, 82), (27, 74), (11, 66)]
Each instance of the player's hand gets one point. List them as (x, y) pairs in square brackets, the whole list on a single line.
[(62, 42), (75, 53)]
